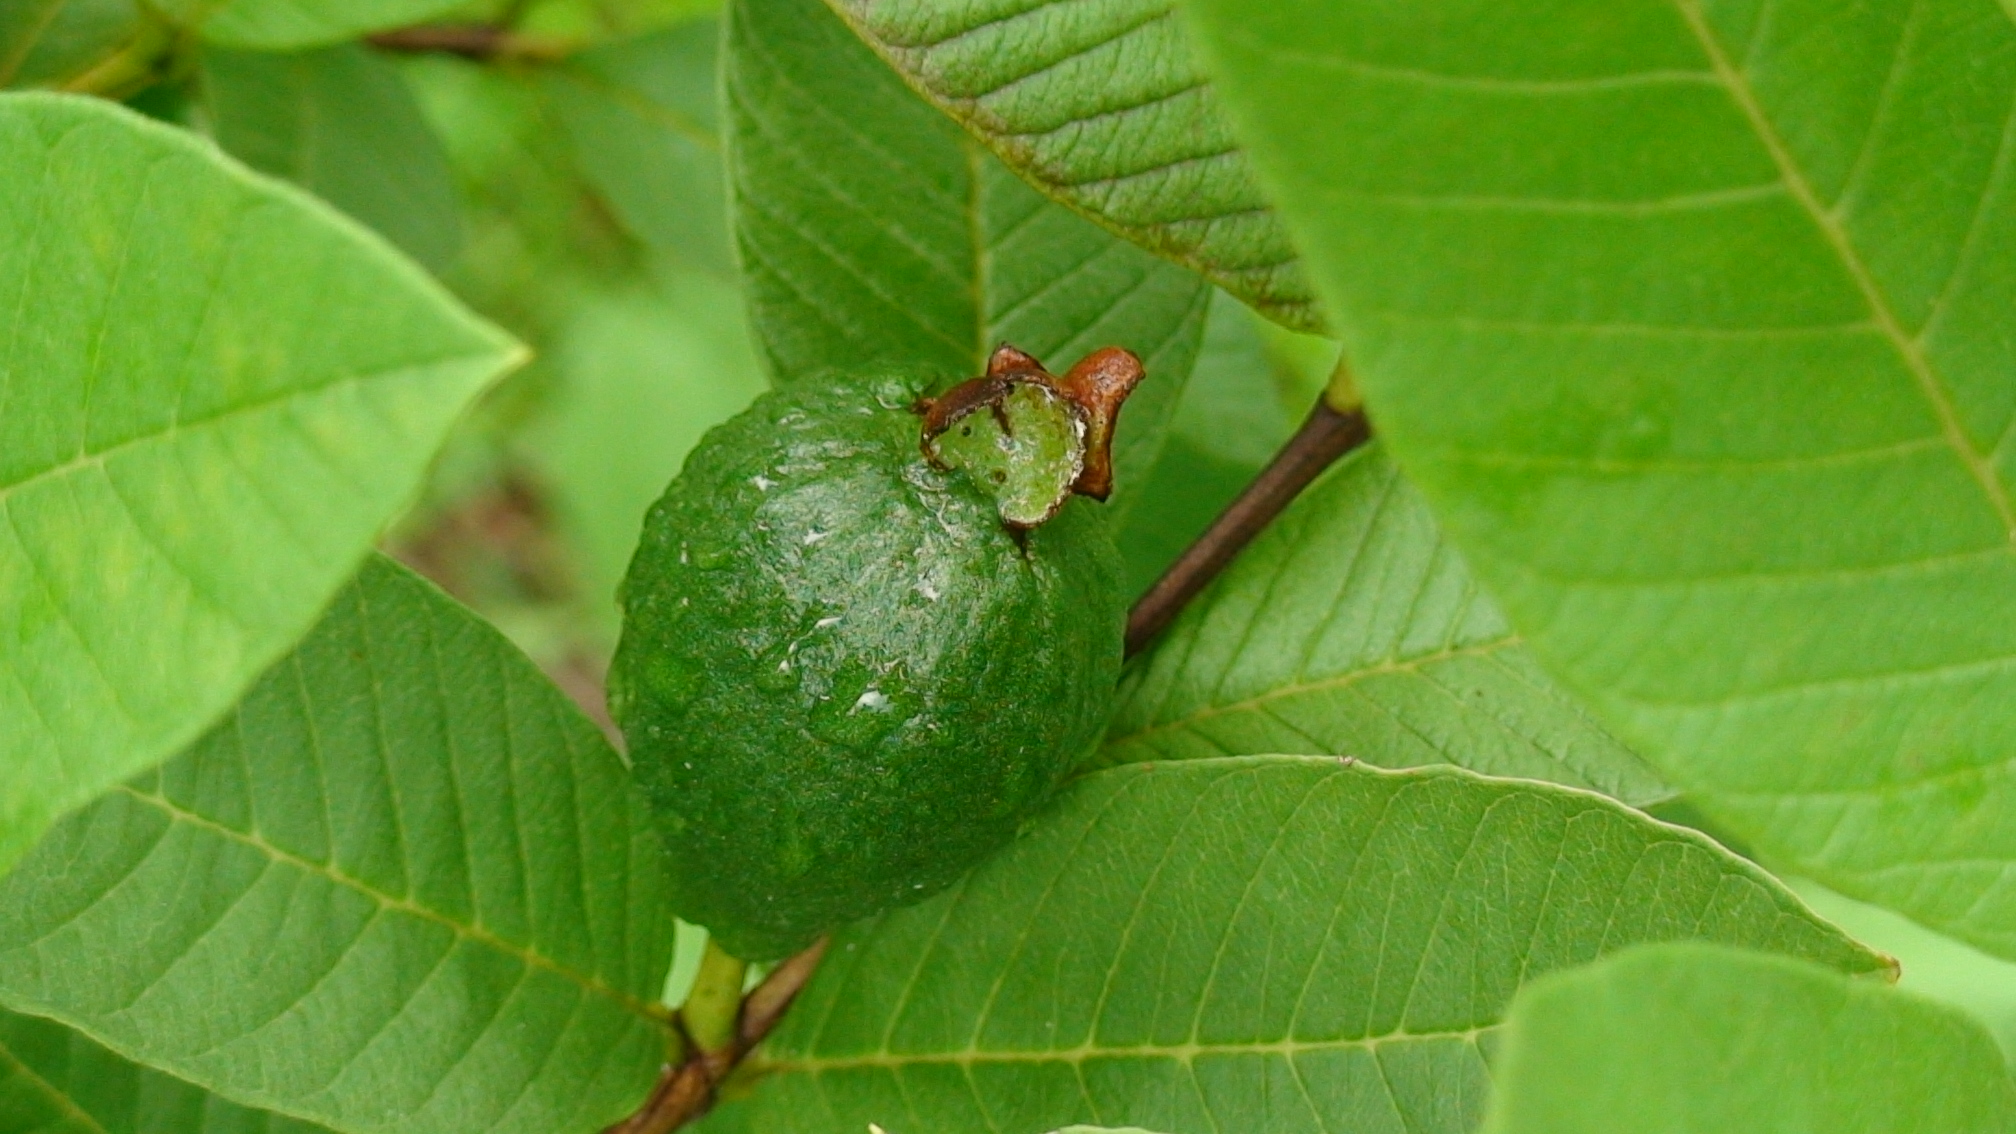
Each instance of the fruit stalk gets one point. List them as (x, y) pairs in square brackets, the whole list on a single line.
[(715, 1001), (1325, 436)]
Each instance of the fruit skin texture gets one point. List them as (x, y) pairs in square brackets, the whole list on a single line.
[(843, 680)]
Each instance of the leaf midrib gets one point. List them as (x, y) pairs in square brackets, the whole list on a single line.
[(387, 902), (1907, 347), (1183, 1053), (68, 1104), (1324, 685), (170, 429)]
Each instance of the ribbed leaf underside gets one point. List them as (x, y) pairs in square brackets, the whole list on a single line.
[(1691, 317), (1352, 628), (1101, 106), (55, 1081), (1266, 943), (405, 886)]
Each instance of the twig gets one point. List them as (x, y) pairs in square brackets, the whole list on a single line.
[(481, 42), (1325, 436), (686, 1091)]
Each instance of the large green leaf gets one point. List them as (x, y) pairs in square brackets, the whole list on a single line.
[(213, 393), (872, 229), (55, 1081), (340, 123), (1702, 1039), (1351, 627), (44, 42), (283, 25), (1692, 322), (1933, 964), (1102, 107), (1267, 943), (643, 120), (404, 887)]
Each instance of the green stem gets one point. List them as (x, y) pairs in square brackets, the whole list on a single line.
[(715, 1003), (133, 68)]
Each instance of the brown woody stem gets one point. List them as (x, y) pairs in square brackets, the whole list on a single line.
[(1327, 435), (686, 1090), (482, 42)]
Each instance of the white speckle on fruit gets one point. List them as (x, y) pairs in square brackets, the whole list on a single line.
[(814, 536), (762, 483), (874, 700), (823, 623)]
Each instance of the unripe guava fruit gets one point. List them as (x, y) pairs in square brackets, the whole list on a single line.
[(843, 678)]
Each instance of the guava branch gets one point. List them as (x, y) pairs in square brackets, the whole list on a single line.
[(1325, 436), (481, 42), (686, 1090)]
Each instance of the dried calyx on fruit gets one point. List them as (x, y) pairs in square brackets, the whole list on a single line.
[(1029, 437)]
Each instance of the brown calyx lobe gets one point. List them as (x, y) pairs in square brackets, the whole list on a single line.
[(1095, 387)]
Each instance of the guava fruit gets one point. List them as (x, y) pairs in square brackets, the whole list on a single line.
[(864, 636)]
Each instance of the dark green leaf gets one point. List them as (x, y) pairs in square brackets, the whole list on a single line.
[(872, 229), (55, 1081), (213, 394), (642, 118), (1351, 627), (405, 886), (1101, 106), (1701, 1039), (340, 123), (1258, 944), (44, 42), (1692, 321)]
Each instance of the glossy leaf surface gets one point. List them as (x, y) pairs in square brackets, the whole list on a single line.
[(873, 230), (1101, 106), (1267, 943), (55, 1081), (642, 118), (1698, 1039), (1692, 323), (1350, 627), (405, 886), (213, 394)]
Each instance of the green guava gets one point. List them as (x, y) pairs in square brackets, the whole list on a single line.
[(843, 678)]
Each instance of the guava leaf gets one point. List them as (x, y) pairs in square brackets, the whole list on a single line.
[(340, 123), (1350, 627), (1261, 943), (44, 42), (874, 230), (1689, 1038), (1692, 325), (1233, 415), (283, 25), (213, 394), (643, 121), (1101, 106), (404, 886), (1933, 964), (56, 1081)]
